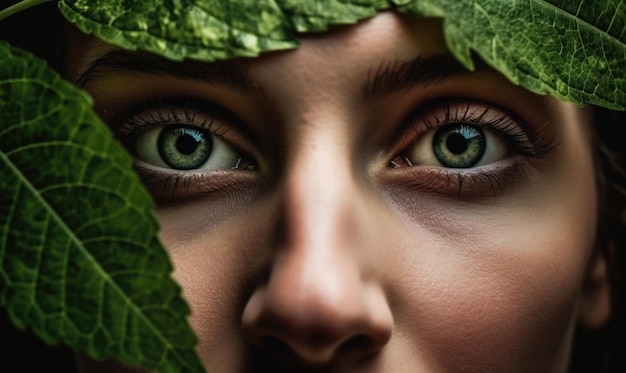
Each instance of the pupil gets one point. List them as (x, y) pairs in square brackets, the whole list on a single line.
[(184, 147), (459, 145), (186, 144), (456, 143)]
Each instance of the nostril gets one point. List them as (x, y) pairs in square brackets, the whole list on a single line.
[(276, 345), (358, 344)]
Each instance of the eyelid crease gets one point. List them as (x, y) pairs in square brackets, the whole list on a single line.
[(168, 116), (128, 122), (523, 137)]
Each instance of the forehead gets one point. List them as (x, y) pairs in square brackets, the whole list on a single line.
[(351, 54), (387, 36)]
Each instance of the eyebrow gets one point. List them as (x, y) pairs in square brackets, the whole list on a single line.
[(217, 72), (388, 78), (397, 76)]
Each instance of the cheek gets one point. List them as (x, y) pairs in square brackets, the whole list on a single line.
[(499, 288), (209, 289), (215, 263), (493, 301)]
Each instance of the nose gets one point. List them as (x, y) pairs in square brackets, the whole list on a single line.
[(318, 304)]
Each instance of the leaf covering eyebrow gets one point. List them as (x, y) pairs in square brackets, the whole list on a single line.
[(573, 50)]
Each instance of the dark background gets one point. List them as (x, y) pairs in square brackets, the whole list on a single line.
[(22, 351), (38, 30)]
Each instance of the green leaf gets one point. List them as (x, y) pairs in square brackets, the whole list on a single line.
[(307, 16), (203, 29), (211, 29), (573, 50), (80, 260), (19, 7)]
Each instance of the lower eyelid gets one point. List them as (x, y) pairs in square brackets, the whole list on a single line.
[(170, 185), (481, 182)]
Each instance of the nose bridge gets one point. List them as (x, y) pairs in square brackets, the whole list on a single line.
[(319, 195), (317, 302), (318, 256)]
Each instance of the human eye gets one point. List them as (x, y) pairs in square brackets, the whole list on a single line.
[(469, 146), (179, 144)]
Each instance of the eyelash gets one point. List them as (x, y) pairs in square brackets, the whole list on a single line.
[(513, 130), (129, 123), (522, 139), (133, 121)]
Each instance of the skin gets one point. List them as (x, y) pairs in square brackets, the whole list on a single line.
[(326, 258)]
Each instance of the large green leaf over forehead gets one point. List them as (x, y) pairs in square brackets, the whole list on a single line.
[(177, 29), (306, 16), (574, 50), (211, 29)]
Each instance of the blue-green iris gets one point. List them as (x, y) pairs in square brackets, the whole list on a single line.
[(459, 145), (184, 147)]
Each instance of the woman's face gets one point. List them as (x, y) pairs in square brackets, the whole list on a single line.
[(362, 203)]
